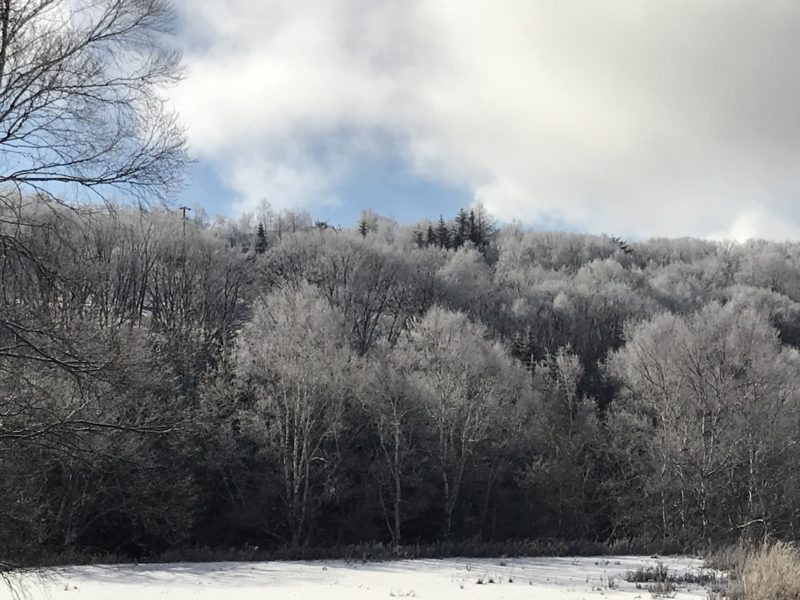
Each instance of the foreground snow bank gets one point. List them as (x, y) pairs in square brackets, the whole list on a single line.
[(540, 578)]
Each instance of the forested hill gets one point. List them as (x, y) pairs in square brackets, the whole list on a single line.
[(269, 381)]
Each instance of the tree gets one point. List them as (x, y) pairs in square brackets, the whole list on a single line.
[(467, 284), (368, 222), (622, 244), (461, 229), (293, 360), (394, 410), (442, 234), (430, 236), (363, 227), (80, 98), (710, 408), (81, 115), (524, 348), (466, 385), (559, 472), (195, 292), (481, 227), (261, 239)]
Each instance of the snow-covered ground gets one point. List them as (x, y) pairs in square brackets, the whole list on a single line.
[(496, 579)]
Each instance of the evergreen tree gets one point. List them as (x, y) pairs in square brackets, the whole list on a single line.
[(419, 238), (363, 227), (474, 233), (482, 227), (261, 239), (622, 244), (461, 229), (442, 234), (431, 236)]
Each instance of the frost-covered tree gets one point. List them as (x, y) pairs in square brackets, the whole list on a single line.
[(293, 360), (466, 384), (395, 412), (708, 402)]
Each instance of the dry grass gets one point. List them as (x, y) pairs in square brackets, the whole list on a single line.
[(770, 573), (730, 558)]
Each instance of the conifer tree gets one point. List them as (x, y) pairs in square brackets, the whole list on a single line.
[(442, 234), (261, 239), (482, 227), (622, 244), (461, 229), (431, 236), (363, 227), (474, 233)]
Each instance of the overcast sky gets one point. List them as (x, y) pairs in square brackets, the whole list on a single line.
[(631, 117)]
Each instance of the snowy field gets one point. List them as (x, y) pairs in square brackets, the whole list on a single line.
[(530, 578)]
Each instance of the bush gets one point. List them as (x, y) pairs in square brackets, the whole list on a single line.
[(659, 574), (662, 589), (771, 573)]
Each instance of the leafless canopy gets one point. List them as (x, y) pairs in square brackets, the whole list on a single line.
[(81, 108)]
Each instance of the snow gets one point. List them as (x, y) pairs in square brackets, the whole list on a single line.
[(540, 578)]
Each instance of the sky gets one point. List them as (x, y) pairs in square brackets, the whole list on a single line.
[(628, 117)]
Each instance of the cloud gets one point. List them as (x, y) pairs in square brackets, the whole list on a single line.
[(662, 118)]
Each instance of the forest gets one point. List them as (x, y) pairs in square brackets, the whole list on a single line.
[(174, 381)]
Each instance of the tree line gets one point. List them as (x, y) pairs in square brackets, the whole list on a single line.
[(169, 383)]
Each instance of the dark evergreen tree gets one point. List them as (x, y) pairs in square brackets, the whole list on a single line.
[(461, 229), (482, 227), (622, 245), (442, 233), (474, 232), (363, 227), (431, 236), (261, 239)]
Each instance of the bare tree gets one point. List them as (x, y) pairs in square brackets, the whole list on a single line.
[(81, 116), (80, 97)]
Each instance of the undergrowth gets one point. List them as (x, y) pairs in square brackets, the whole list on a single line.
[(375, 551)]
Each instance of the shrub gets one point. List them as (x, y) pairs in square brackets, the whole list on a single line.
[(659, 574), (661, 589)]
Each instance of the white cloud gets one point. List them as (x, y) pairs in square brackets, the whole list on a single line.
[(283, 184), (641, 118), (756, 222)]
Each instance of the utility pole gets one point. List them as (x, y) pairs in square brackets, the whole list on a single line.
[(183, 209)]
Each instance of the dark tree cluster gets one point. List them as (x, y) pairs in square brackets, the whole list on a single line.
[(474, 228)]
